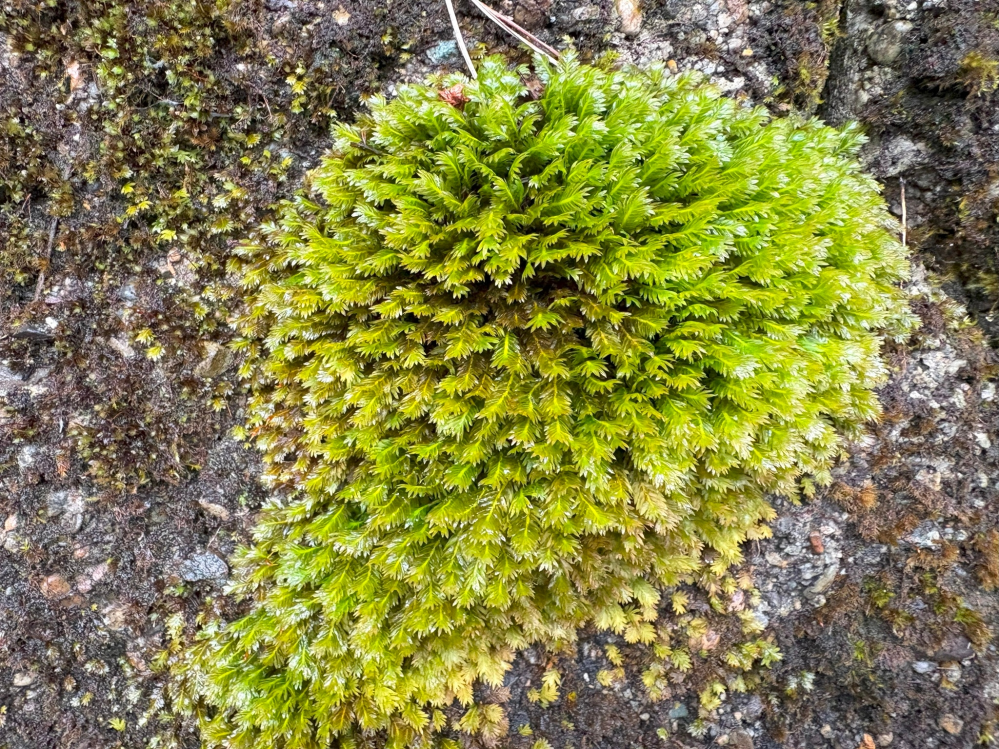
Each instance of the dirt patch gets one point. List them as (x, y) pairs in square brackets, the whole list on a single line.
[(924, 82)]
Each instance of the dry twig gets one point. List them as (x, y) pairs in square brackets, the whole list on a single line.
[(525, 37), (508, 25), (904, 227), (48, 256), (458, 37)]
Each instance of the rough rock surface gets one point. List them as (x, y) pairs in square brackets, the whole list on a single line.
[(875, 590)]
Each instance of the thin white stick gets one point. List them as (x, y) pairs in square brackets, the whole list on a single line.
[(902, 181), (517, 32), (459, 39)]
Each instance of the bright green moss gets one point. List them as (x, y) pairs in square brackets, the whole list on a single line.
[(521, 365)]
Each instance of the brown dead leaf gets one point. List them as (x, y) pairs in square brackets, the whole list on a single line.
[(455, 96)]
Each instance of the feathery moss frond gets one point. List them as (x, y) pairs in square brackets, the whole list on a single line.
[(520, 365)]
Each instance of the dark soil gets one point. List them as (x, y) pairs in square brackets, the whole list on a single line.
[(933, 111), (141, 141)]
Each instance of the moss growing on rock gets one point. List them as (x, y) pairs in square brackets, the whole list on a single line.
[(523, 364)]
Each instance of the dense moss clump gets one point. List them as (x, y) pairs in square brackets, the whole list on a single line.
[(523, 363)]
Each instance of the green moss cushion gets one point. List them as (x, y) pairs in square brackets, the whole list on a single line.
[(522, 364)]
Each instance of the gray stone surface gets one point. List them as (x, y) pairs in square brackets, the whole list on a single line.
[(203, 567)]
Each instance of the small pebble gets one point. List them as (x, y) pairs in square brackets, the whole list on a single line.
[(115, 616), (815, 539), (341, 16), (214, 509), (23, 679), (631, 16), (825, 580), (951, 724), (55, 587), (741, 739), (951, 671), (122, 347), (774, 559), (586, 13), (442, 51), (203, 567)]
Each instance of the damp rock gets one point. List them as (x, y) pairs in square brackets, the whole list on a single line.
[(753, 708), (531, 14), (93, 575), (59, 501), (9, 380), (217, 360), (926, 535), (783, 527), (70, 506), (70, 290), (40, 333), (953, 648), (951, 671), (678, 711), (740, 739), (27, 457), (122, 347), (886, 44), (442, 51), (115, 616), (870, 555), (630, 13), (56, 503), (128, 293), (11, 542), (825, 580), (896, 155), (24, 679), (203, 567), (586, 13), (55, 587)]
